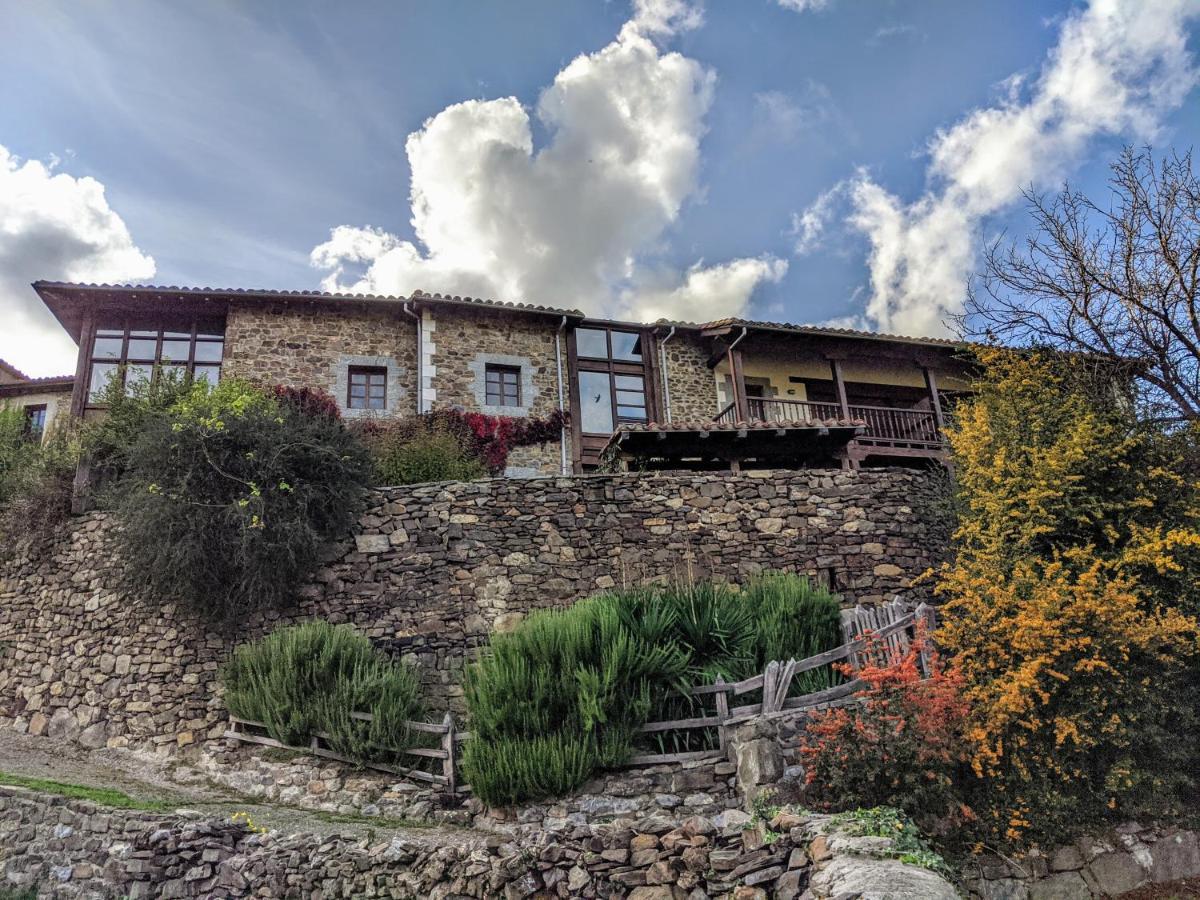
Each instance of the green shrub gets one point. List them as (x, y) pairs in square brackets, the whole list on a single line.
[(227, 495), (36, 478), (565, 693), (309, 678), (424, 457)]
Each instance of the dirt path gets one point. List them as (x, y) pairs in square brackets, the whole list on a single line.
[(147, 778)]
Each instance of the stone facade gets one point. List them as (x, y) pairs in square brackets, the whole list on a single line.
[(468, 340), (432, 569), (76, 849), (692, 386), (312, 345)]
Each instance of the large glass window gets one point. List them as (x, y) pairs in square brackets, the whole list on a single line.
[(612, 379), (595, 402), (135, 350)]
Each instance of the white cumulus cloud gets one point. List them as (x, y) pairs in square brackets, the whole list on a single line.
[(56, 227), (803, 5), (576, 222), (1118, 68)]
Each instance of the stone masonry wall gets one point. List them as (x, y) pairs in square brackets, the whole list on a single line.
[(77, 849), (467, 341), (693, 389), (309, 345), (431, 570)]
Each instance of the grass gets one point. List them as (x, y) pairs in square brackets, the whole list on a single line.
[(103, 796)]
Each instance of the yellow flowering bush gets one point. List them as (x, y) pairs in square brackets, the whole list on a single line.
[(1067, 606)]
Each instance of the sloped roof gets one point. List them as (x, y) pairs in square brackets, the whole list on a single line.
[(819, 331), (13, 371), (47, 290)]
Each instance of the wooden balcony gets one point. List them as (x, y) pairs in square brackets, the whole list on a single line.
[(914, 428)]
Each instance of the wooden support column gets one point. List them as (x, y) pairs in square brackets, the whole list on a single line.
[(83, 365), (739, 387), (839, 384), (935, 402)]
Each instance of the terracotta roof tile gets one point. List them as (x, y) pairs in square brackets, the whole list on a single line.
[(819, 330), (266, 293), (13, 370)]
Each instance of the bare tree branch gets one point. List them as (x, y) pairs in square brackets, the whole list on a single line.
[(1121, 280)]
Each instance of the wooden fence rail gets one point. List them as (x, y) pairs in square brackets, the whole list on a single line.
[(865, 631), (447, 750)]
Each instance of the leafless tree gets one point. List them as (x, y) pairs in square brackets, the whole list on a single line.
[(1121, 280)]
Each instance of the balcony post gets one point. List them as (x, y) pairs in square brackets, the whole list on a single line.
[(934, 402), (835, 366), (739, 387)]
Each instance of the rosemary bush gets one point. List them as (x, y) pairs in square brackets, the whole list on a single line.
[(566, 692), (309, 678)]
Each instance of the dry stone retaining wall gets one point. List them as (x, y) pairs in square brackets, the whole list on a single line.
[(74, 848), (432, 570), (1095, 866)]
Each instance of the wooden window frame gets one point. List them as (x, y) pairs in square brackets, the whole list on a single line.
[(29, 411), (128, 325), (370, 372), (500, 399), (586, 446)]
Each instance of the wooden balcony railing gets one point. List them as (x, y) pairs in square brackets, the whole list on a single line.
[(883, 423)]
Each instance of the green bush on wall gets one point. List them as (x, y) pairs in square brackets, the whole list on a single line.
[(309, 678), (565, 693), (226, 495)]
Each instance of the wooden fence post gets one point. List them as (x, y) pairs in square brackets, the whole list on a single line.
[(722, 714), (448, 746)]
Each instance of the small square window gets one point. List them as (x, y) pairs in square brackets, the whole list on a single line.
[(35, 420), (503, 385), (367, 388)]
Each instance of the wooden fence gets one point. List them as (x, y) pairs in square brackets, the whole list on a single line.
[(884, 630), (447, 751), (865, 630)]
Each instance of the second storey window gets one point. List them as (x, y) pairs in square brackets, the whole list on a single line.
[(611, 378), (134, 349), (503, 385), (367, 388)]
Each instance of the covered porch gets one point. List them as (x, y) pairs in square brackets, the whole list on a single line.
[(899, 392)]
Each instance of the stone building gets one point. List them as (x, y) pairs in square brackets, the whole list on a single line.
[(42, 400), (726, 394)]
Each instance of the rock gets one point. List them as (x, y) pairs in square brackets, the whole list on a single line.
[(1175, 857), (880, 879), (759, 762), (1003, 889), (63, 726), (657, 892), (789, 885), (1063, 886), (1117, 873), (1066, 859), (94, 736), (372, 543)]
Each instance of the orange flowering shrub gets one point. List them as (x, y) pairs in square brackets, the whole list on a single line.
[(1067, 607), (901, 744)]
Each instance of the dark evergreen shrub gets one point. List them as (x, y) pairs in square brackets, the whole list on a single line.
[(227, 495), (566, 692), (310, 678)]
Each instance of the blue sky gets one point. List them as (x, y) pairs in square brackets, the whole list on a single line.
[(804, 160)]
